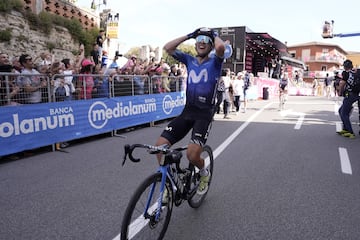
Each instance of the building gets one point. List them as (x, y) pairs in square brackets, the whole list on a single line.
[(64, 8), (355, 58), (320, 58)]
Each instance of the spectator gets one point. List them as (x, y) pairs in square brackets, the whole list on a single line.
[(315, 86), (68, 71), (46, 59), (227, 83), (95, 56), (86, 81), (8, 88), (139, 81), (79, 58), (174, 83), (219, 94), (129, 66), (100, 41), (238, 87), (327, 82), (31, 82), (165, 81), (104, 59)]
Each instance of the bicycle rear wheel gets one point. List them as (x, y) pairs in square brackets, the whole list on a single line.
[(139, 225), (196, 200)]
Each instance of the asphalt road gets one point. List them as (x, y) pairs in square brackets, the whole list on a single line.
[(278, 175)]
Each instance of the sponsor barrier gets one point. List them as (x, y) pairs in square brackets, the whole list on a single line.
[(29, 126)]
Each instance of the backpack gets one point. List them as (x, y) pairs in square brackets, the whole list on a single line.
[(353, 82)]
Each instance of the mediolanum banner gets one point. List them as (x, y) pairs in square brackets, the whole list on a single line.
[(31, 126)]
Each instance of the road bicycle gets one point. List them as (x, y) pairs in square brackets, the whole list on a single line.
[(148, 212)]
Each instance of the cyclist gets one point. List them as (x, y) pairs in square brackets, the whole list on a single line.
[(284, 81), (203, 74)]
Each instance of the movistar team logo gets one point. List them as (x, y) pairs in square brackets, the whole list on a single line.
[(194, 78)]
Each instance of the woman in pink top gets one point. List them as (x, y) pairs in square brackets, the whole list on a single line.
[(86, 81)]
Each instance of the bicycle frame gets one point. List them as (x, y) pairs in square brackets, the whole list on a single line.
[(164, 174)]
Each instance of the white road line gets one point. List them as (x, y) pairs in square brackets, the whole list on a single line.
[(345, 161), (299, 121), (336, 108), (216, 153), (226, 143), (338, 126)]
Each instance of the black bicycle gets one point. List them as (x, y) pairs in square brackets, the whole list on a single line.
[(148, 213)]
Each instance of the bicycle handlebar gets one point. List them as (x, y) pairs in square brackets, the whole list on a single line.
[(128, 149)]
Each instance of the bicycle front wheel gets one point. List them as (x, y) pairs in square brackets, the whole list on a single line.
[(196, 200), (138, 224)]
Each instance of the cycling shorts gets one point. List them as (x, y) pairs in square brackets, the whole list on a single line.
[(179, 127)]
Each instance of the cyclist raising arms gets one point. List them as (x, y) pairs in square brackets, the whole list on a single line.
[(283, 90), (197, 115)]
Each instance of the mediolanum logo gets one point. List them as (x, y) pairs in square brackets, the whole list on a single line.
[(99, 113), (169, 104)]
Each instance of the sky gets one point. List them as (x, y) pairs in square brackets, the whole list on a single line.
[(155, 22)]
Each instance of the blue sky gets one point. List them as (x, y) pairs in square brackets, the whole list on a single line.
[(155, 22)]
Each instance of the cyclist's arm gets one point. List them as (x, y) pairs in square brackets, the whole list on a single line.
[(219, 47), (171, 46)]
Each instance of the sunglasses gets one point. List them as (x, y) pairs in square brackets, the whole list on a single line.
[(204, 39)]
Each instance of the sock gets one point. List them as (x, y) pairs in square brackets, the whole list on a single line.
[(204, 172)]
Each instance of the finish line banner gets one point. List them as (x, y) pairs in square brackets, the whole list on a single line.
[(27, 127)]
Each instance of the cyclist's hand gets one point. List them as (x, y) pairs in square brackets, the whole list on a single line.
[(214, 33), (194, 34)]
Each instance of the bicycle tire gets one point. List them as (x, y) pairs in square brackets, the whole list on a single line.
[(134, 226), (196, 200)]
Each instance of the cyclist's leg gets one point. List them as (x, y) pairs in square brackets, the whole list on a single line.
[(199, 136), (173, 132)]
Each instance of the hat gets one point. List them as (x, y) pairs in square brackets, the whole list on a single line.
[(86, 62), (239, 74)]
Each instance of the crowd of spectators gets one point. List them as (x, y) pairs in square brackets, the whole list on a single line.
[(28, 79)]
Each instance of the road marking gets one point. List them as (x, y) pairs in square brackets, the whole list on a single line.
[(216, 153), (300, 119), (338, 126), (336, 108), (345, 161), (227, 141)]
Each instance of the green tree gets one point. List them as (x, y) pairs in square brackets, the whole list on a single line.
[(133, 51), (187, 48)]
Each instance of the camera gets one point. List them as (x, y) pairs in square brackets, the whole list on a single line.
[(117, 54)]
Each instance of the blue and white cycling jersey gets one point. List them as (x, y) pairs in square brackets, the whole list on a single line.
[(202, 79)]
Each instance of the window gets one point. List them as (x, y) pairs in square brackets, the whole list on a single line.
[(292, 54), (305, 55), (323, 68)]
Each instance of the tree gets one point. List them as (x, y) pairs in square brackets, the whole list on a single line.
[(187, 48)]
